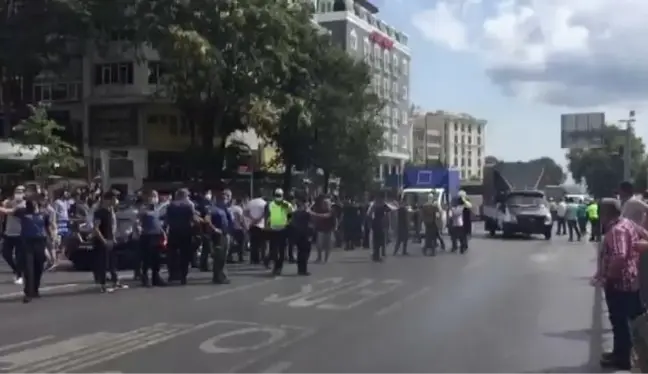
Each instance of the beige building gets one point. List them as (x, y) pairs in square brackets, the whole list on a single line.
[(457, 140)]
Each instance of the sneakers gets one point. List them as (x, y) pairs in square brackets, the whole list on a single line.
[(18, 281)]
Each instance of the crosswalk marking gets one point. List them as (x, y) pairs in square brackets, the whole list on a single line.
[(85, 351), (10, 347)]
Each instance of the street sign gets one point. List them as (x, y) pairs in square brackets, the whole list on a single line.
[(582, 130)]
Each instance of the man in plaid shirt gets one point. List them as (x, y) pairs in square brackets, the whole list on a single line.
[(618, 274)]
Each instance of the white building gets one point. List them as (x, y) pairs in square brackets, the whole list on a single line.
[(456, 140)]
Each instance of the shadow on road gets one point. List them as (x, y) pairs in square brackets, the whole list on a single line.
[(584, 368)]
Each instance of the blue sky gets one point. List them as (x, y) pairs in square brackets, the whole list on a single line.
[(519, 64)]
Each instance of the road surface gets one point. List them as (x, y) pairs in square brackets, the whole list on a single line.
[(514, 305)]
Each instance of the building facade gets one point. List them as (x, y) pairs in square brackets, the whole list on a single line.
[(354, 25), (455, 140)]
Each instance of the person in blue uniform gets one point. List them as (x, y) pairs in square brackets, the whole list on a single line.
[(181, 219), (36, 228), (219, 222), (152, 237)]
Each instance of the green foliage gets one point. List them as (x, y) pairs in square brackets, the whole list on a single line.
[(602, 168), (39, 133)]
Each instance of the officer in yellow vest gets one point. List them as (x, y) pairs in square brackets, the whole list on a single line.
[(277, 217), (593, 218)]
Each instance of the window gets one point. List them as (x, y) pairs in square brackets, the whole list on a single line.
[(66, 91), (353, 40), (395, 116), (479, 140), (174, 126), (377, 55), (404, 92), (404, 141), (395, 90), (395, 141), (115, 73), (456, 127), (405, 116), (405, 66), (395, 63), (155, 72), (463, 162), (366, 48), (386, 86), (122, 35), (387, 58)]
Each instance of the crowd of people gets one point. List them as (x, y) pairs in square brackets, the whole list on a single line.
[(208, 230), (572, 216)]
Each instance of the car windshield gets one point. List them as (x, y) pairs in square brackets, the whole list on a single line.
[(525, 200)]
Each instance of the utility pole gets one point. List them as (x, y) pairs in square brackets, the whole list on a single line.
[(627, 149)]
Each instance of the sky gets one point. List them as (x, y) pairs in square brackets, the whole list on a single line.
[(520, 64)]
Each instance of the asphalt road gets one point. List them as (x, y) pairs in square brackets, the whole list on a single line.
[(519, 305)]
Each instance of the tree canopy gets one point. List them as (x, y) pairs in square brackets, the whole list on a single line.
[(227, 65), (602, 168)]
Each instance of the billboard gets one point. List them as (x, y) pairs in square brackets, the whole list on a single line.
[(581, 130)]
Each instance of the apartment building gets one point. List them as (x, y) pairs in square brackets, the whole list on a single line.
[(457, 140), (113, 108), (355, 26)]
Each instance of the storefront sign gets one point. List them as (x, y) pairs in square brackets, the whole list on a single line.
[(382, 40)]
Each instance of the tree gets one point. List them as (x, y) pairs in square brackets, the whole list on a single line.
[(602, 168), (39, 133), (26, 50), (221, 58), (347, 120)]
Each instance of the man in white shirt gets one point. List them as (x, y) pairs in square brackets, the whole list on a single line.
[(254, 212), (458, 234), (11, 244), (561, 224)]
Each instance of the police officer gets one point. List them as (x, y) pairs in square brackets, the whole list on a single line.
[(152, 237), (36, 226), (181, 217), (220, 225), (277, 212)]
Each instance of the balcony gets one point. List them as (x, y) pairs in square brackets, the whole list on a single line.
[(58, 92)]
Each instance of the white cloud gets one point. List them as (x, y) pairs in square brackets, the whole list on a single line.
[(440, 25), (562, 52)]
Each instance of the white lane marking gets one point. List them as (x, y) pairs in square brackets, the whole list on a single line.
[(309, 290), (210, 346), (86, 351), (42, 289), (272, 350), (279, 367), (309, 300), (10, 347), (228, 291), (401, 303), (365, 294)]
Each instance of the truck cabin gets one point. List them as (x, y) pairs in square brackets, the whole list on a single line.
[(520, 199)]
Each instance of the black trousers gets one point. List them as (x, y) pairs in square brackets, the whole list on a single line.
[(304, 246), (402, 237), (31, 258), (10, 248), (180, 251), (459, 238), (432, 238), (378, 242), (561, 226), (105, 261), (237, 243), (278, 241), (596, 229), (258, 244), (623, 308), (572, 226), (150, 245)]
